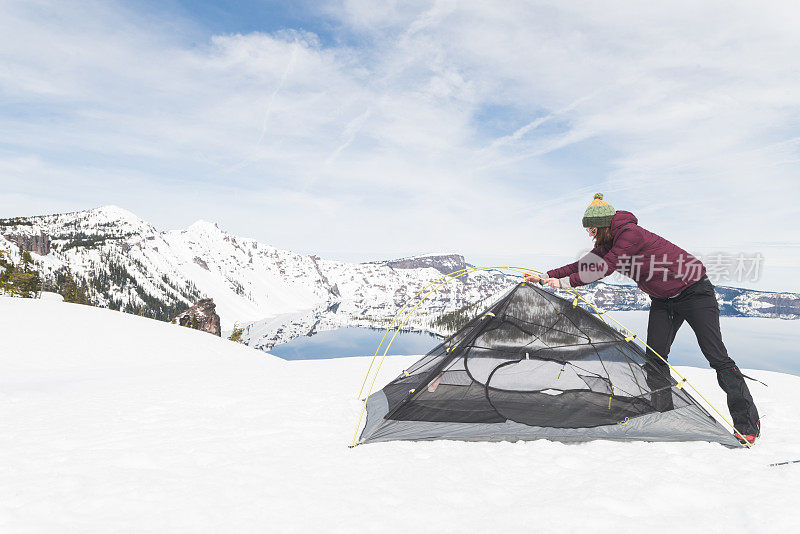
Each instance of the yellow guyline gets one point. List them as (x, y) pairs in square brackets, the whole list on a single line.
[(633, 336), (450, 277), (458, 274), (683, 380), (372, 361)]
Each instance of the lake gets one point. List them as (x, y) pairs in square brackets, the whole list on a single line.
[(353, 341), (754, 343)]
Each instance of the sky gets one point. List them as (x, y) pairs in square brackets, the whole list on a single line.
[(361, 130)]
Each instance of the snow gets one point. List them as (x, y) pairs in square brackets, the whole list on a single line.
[(250, 282), (274, 295), (426, 255), (108, 219), (115, 214), (112, 422), (201, 226)]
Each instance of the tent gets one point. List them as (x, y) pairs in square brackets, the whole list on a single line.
[(537, 366)]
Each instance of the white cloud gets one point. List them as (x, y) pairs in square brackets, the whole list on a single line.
[(683, 113)]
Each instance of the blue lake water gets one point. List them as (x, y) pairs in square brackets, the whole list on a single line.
[(353, 341), (754, 343)]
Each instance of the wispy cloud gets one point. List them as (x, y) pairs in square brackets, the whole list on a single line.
[(685, 113), (350, 132), (270, 102)]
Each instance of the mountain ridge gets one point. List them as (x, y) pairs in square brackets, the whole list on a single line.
[(126, 263)]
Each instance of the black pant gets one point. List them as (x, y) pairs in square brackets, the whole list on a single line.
[(697, 305)]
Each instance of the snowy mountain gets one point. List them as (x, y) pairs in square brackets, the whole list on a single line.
[(116, 423), (126, 263)]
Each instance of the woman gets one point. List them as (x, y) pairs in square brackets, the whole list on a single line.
[(679, 291)]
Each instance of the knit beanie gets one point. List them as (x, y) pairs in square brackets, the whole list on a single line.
[(599, 213)]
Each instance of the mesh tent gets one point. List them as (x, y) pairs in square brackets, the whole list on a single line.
[(535, 366)]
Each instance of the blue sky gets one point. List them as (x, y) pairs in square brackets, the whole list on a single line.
[(359, 130), (219, 17)]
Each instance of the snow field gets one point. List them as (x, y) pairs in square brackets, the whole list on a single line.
[(112, 422)]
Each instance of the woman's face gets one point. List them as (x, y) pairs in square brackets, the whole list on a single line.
[(592, 231)]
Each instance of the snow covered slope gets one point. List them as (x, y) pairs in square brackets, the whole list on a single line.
[(115, 423)]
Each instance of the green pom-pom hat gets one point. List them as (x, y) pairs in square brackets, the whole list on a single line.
[(599, 213)]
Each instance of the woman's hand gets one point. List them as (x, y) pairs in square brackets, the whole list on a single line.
[(536, 279), (555, 283), (532, 278)]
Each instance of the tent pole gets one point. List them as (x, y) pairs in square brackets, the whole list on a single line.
[(454, 275), (457, 274)]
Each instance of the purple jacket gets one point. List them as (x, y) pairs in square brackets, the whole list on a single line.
[(660, 268)]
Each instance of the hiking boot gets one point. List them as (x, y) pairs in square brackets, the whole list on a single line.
[(746, 439)]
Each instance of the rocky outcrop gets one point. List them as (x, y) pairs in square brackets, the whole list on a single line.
[(199, 261), (202, 316), (444, 263), (38, 243), (334, 289)]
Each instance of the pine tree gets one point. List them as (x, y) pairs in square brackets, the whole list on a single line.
[(72, 291), (19, 280), (69, 288), (236, 334), (6, 269), (25, 284), (195, 324)]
